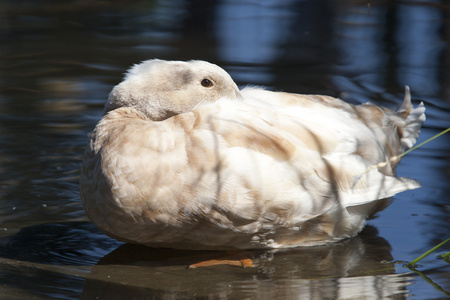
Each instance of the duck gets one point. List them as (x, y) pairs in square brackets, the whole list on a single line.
[(182, 158)]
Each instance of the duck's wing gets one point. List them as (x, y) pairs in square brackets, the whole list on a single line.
[(327, 141), (394, 131)]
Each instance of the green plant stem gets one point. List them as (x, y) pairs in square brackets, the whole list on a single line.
[(423, 143), (411, 264)]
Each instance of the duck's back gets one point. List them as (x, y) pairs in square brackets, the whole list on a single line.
[(272, 170)]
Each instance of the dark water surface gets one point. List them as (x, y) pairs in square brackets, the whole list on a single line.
[(60, 59)]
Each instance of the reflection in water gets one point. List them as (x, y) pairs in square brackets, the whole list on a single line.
[(268, 22), (394, 45), (34, 260), (419, 47), (360, 49), (278, 44), (352, 268)]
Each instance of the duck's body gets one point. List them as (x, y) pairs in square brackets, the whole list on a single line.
[(255, 170)]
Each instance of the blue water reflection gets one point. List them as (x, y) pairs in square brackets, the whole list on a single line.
[(419, 47), (362, 60), (253, 32)]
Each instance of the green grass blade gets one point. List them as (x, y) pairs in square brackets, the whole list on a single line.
[(427, 141), (397, 157), (411, 264)]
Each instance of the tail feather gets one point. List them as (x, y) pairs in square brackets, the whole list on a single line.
[(415, 117)]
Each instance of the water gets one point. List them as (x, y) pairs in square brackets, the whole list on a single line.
[(58, 62)]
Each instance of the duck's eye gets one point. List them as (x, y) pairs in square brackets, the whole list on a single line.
[(207, 83)]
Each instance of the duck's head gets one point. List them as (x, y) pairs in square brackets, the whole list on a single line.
[(161, 89)]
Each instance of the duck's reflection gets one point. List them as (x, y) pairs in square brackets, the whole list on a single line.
[(352, 268)]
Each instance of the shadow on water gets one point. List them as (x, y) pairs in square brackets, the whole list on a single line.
[(74, 257)]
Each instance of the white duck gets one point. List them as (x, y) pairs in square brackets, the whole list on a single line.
[(183, 159)]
